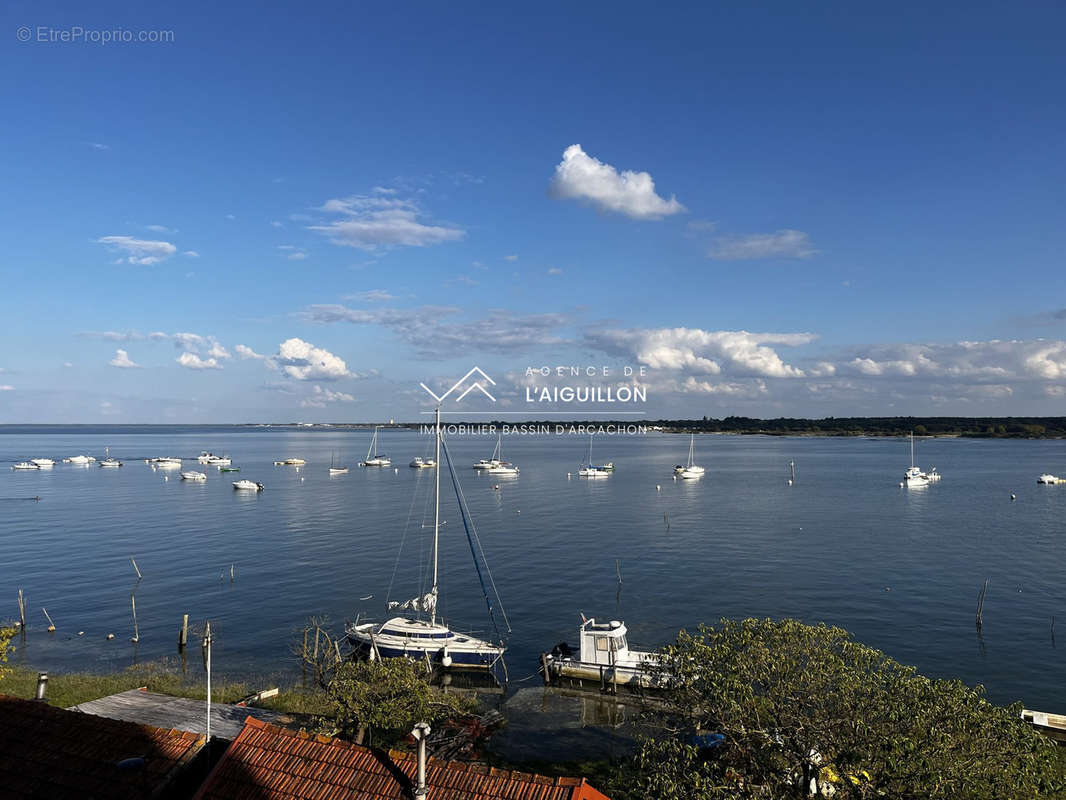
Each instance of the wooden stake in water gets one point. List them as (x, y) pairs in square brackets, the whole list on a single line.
[(22, 610), (135, 569), (183, 634), (51, 625), (231, 573), (981, 603), (136, 633), (207, 650)]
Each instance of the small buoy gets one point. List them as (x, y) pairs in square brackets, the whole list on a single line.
[(445, 659), (901, 484), (395, 470), (301, 480), (166, 478), (1012, 497), (51, 628), (658, 487), (81, 633), (518, 511), (790, 481), (888, 588), (675, 479), (110, 636), (568, 476)]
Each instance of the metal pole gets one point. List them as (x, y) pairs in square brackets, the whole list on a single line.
[(207, 644), (436, 521)]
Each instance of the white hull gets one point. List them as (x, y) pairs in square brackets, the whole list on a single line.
[(218, 461), (193, 476), (691, 472), (418, 639), (247, 486), (423, 463), (1049, 479), (110, 463), (589, 472), (600, 673), (81, 459), (503, 470), (376, 462), (43, 463), (338, 470), (25, 465)]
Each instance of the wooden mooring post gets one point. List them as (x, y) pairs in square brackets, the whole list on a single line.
[(183, 634), (22, 610)]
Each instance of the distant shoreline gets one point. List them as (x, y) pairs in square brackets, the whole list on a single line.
[(942, 427)]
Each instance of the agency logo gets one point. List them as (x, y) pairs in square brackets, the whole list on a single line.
[(476, 384)]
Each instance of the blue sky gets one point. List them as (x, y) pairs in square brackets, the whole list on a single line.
[(290, 212)]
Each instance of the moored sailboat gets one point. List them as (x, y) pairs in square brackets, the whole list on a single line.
[(691, 469), (373, 458), (423, 635)]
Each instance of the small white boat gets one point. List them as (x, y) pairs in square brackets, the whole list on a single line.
[(168, 465), (218, 461), (247, 486), (43, 463), (590, 470), (334, 467), (373, 458), (108, 461), (205, 457), (914, 477), (691, 469), (167, 460), (1050, 479), (503, 468), (489, 463), (194, 476), (290, 462), (80, 459), (603, 656), (25, 465), (422, 463)]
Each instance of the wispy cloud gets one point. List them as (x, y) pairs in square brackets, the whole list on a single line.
[(510, 258), (427, 331), (138, 251), (554, 271), (297, 256), (99, 145), (122, 360), (276, 224), (784, 243), (579, 176), (191, 254), (245, 352), (369, 223), (6, 387), (373, 296)]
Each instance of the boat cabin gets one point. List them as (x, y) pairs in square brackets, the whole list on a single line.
[(604, 642)]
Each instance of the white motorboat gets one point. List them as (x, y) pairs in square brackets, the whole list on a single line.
[(691, 469), (194, 476), (43, 463), (108, 461), (489, 463), (218, 461), (914, 477), (290, 462), (205, 457), (80, 459), (25, 465), (1050, 479), (247, 486), (603, 656), (373, 458), (422, 463), (167, 460), (431, 639)]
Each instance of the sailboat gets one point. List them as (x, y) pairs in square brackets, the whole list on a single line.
[(501, 467), (914, 477), (690, 470), (489, 463), (333, 468), (413, 635), (373, 459), (589, 470), (108, 460)]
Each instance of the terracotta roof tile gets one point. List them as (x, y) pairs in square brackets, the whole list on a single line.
[(51, 752), (270, 763)]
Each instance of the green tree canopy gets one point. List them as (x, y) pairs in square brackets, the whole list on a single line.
[(807, 708), (386, 697)]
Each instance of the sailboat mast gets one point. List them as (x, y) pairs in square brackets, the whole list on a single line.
[(436, 520), (912, 448), (691, 447)]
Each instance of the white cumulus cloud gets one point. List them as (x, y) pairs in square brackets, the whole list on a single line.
[(320, 397), (193, 361), (579, 176), (245, 352), (304, 362), (122, 360), (138, 251), (6, 387), (699, 352)]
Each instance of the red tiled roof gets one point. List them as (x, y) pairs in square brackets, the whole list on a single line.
[(54, 753), (271, 763)]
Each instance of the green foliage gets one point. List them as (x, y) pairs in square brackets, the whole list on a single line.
[(5, 644), (800, 703), (387, 697)]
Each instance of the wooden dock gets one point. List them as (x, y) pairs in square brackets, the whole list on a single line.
[(1051, 725), (180, 713)]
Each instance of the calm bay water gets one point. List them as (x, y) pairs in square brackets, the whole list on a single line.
[(899, 568)]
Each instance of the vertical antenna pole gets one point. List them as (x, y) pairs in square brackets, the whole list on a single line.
[(436, 517), (207, 644)]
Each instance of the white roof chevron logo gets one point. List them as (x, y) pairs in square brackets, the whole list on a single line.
[(475, 385)]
